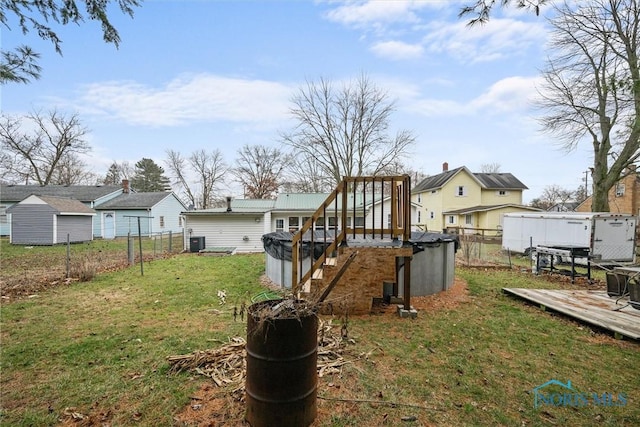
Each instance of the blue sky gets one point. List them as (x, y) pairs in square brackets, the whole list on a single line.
[(207, 74)]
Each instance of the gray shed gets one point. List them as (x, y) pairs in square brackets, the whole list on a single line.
[(48, 220)]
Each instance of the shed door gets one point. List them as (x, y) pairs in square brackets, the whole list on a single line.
[(108, 225)]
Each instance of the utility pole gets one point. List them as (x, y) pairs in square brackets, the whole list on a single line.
[(586, 183)]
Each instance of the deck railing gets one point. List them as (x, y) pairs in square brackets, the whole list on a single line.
[(355, 208)]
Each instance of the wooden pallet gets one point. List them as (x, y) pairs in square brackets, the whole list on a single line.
[(592, 307)]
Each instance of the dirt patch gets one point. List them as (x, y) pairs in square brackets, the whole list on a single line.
[(212, 406), (457, 294), (24, 277)]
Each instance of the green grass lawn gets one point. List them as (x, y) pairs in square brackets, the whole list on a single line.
[(100, 348)]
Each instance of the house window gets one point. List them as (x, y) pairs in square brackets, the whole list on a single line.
[(619, 190), (280, 224), (388, 220), (460, 191), (434, 191), (294, 223), (418, 217), (3, 214), (468, 219), (332, 222), (179, 221), (419, 198), (432, 215), (161, 221), (305, 219), (451, 219), (359, 222), (502, 192), (320, 223)]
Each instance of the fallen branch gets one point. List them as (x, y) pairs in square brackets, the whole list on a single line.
[(227, 365)]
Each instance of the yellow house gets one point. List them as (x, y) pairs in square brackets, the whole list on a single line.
[(461, 199)]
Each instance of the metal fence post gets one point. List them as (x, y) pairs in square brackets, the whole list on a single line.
[(130, 248), (68, 255)]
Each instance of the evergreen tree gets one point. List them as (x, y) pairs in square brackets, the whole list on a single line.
[(41, 17), (113, 175), (149, 177)]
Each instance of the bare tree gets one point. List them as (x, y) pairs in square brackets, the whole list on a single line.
[(259, 170), (72, 170), (208, 170), (490, 167), (591, 89), (305, 175), (117, 172), (22, 65), (551, 196), (36, 144), (345, 130), (482, 9), (580, 194)]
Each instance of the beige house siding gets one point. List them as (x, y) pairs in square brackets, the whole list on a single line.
[(472, 192), (493, 219), (495, 197), (442, 206), (624, 197), (430, 207)]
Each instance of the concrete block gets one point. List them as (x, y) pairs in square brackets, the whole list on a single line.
[(411, 313)]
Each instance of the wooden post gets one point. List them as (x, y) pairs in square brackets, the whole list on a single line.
[(407, 283)]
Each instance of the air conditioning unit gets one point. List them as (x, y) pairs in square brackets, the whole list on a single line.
[(196, 244)]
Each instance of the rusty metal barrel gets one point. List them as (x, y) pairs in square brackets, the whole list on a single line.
[(282, 353)]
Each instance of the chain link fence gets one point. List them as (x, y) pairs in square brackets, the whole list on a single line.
[(27, 269), (483, 247)]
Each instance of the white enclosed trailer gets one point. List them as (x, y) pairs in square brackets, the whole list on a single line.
[(609, 237)]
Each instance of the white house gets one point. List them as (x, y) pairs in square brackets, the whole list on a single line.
[(240, 225)]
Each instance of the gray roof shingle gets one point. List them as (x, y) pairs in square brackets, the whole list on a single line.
[(134, 201), (500, 181), (83, 193), (489, 181), (435, 181), (64, 205)]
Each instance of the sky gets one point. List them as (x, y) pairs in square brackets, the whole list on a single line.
[(217, 74)]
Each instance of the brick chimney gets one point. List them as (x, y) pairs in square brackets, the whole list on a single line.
[(445, 167), (125, 186)]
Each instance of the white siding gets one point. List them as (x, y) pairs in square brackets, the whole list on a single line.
[(384, 209), (169, 208), (240, 232)]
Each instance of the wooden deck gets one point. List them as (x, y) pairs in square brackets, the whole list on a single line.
[(593, 307)]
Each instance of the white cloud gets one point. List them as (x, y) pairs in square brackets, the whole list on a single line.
[(361, 14), (507, 95), (187, 99), (497, 39), (397, 50), (511, 95)]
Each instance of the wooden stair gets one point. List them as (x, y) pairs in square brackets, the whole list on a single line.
[(378, 260)]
